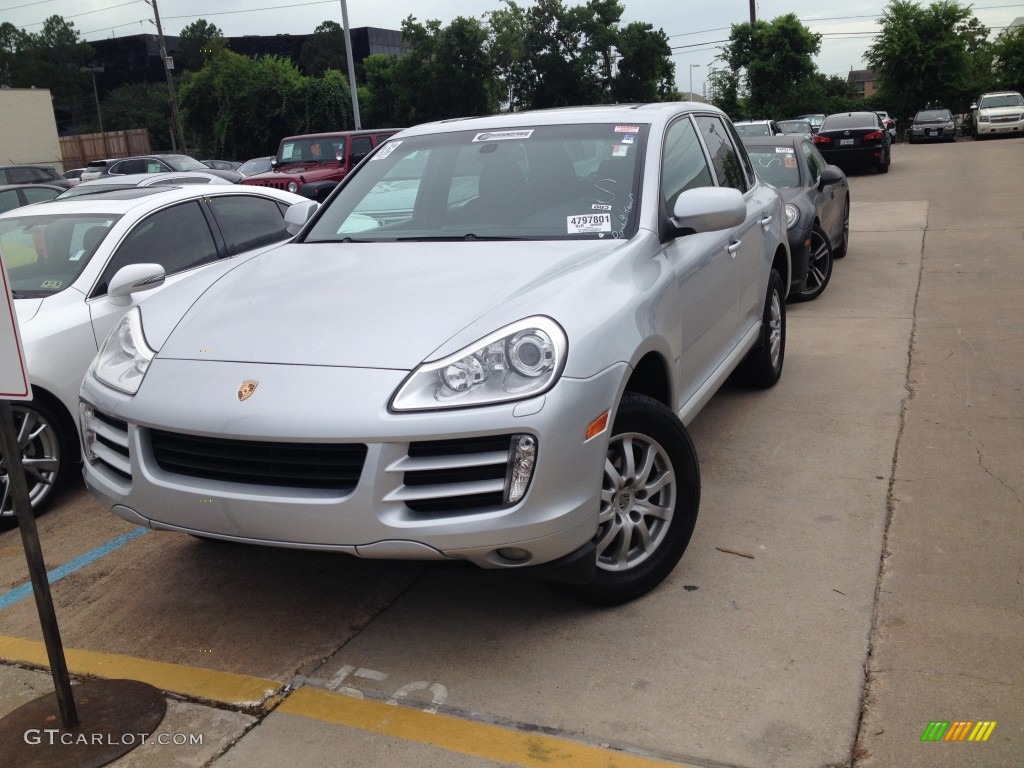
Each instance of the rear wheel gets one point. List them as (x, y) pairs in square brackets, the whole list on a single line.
[(45, 455), (819, 267), (650, 494), (763, 365)]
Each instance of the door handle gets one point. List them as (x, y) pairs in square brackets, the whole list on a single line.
[(734, 247), (766, 221)]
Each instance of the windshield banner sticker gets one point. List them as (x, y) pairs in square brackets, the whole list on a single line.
[(787, 150), (387, 149), (503, 135), (627, 129), (589, 223)]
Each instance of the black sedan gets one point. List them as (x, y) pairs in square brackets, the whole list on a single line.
[(855, 140), (817, 198), (932, 125)]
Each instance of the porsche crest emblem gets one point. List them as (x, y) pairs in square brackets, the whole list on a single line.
[(247, 388)]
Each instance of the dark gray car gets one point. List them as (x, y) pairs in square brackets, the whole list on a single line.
[(123, 166), (817, 198)]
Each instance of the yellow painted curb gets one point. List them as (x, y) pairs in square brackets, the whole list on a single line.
[(491, 742), (209, 684)]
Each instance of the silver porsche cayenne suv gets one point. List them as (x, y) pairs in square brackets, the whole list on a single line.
[(483, 347)]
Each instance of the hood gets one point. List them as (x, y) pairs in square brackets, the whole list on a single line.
[(306, 170), (1001, 111), (366, 305), (26, 309)]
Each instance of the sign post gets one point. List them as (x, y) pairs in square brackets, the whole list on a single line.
[(117, 706)]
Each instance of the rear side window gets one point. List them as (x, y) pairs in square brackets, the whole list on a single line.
[(9, 200), (361, 146), (22, 176), (248, 222), (726, 159), (177, 238), (39, 194)]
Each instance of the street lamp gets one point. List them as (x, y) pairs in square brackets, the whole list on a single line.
[(692, 67)]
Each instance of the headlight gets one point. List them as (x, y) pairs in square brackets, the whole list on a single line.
[(293, 187), (984, 119), (792, 215), (125, 356), (519, 361)]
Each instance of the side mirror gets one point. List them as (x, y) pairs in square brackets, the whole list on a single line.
[(706, 209), (973, 105), (830, 174), (133, 278), (298, 214)]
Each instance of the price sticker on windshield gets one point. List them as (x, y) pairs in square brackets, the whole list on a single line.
[(13, 374), (589, 223)]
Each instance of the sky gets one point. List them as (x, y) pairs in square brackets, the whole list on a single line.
[(696, 28)]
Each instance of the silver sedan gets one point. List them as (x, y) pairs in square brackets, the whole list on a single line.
[(483, 347)]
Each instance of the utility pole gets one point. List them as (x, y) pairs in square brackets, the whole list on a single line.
[(351, 65), (753, 11), (176, 137)]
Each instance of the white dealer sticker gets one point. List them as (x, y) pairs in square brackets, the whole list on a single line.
[(627, 129), (788, 150), (386, 150), (589, 223), (503, 135)]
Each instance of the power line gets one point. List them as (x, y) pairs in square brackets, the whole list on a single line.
[(84, 13), (26, 5)]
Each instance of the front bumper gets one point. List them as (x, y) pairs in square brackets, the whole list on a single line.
[(1000, 126), (388, 512)]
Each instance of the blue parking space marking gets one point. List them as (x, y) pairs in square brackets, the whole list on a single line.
[(58, 573)]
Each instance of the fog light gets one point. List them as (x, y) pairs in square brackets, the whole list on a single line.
[(515, 554), (85, 417), (524, 459)]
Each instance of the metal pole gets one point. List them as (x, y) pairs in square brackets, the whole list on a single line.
[(753, 11), (351, 65), (176, 137), (99, 113), (36, 567)]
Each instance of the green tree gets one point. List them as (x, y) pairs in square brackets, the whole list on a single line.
[(138, 105), (778, 60), (923, 55), (321, 104), (236, 106), (197, 43), (12, 42), (645, 71), (507, 46), (377, 105), (1008, 61), (326, 50)]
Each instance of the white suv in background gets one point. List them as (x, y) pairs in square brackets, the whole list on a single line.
[(997, 113)]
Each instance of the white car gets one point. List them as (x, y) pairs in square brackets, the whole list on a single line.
[(170, 179), (998, 113), (76, 266)]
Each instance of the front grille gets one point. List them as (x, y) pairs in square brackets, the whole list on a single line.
[(111, 444), (327, 466), (273, 183), (462, 476), (1006, 119)]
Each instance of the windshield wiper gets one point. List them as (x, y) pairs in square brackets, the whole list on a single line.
[(456, 238)]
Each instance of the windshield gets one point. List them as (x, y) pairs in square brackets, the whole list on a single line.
[(776, 165), (256, 165), (185, 163), (45, 254), (933, 116), (312, 149), (1002, 100), (752, 129), (794, 126), (850, 120), (546, 182)]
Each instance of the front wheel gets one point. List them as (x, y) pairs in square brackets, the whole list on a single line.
[(819, 267), (650, 494), (45, 456), (844, 239)]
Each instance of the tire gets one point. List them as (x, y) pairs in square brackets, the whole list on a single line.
[(650, 495), (819, 267), (762, 366), (884, 167), (844, 239), (46, 453)]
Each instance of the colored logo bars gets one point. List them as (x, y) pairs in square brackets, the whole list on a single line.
[(958, 730)]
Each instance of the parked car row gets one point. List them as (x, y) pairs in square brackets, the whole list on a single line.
[(514, 428)]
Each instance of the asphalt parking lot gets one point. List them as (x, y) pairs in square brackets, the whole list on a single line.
[(857, 570)]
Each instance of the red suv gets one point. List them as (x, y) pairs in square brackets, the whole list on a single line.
[(312, 165)]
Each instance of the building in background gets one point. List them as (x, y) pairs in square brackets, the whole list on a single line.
[(28, 129), (862, 81)]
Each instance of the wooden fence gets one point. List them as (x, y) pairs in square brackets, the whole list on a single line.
[(77, 151)]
